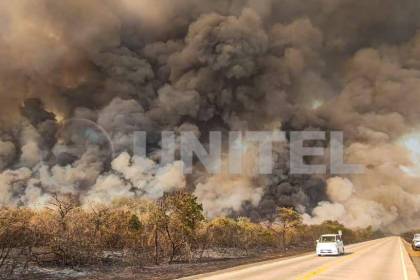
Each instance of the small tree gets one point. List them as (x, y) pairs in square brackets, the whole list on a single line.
[(288, 219), (134, 223), (16, 239), (62, 206), (180, 215)]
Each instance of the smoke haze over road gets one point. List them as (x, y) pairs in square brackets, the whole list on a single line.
[(201, 65)]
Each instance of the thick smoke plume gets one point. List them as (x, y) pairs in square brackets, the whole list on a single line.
[(77, 78)]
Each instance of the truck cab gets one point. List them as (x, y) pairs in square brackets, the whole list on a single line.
[(415, 244), (330, 245)]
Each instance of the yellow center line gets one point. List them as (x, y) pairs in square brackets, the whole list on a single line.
[(321, 269)]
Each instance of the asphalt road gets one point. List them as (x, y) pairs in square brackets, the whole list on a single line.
[(380, 259)]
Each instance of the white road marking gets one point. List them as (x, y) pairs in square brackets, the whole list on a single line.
[(404, 267)]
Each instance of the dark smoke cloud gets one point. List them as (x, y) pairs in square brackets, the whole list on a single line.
[(73, 69)]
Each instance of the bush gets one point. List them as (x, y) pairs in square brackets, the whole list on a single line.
[(138, 232)]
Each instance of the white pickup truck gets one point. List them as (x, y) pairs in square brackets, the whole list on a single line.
[(330, 245), (415, 244)]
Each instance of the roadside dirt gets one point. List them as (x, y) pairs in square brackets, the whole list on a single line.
[(414, 255), (178, 270), (161, 272)]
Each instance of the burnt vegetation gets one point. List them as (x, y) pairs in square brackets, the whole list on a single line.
[(138, 232)]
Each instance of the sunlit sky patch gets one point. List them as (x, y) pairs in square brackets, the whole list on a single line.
[(412, 143), (316, 104)]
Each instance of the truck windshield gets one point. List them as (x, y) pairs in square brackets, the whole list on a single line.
[(327, 239), (416, 236)]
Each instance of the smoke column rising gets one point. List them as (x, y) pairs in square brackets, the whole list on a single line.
[(189, 65)]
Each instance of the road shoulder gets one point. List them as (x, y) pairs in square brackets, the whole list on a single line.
[(411, 260)]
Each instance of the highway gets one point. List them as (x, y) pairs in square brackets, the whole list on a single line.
[(380, 259)]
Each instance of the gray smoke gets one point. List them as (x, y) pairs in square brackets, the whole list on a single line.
[(77, 78)]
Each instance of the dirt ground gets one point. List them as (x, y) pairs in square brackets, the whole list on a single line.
[(414, 255), (161, 272), (173, 271)]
